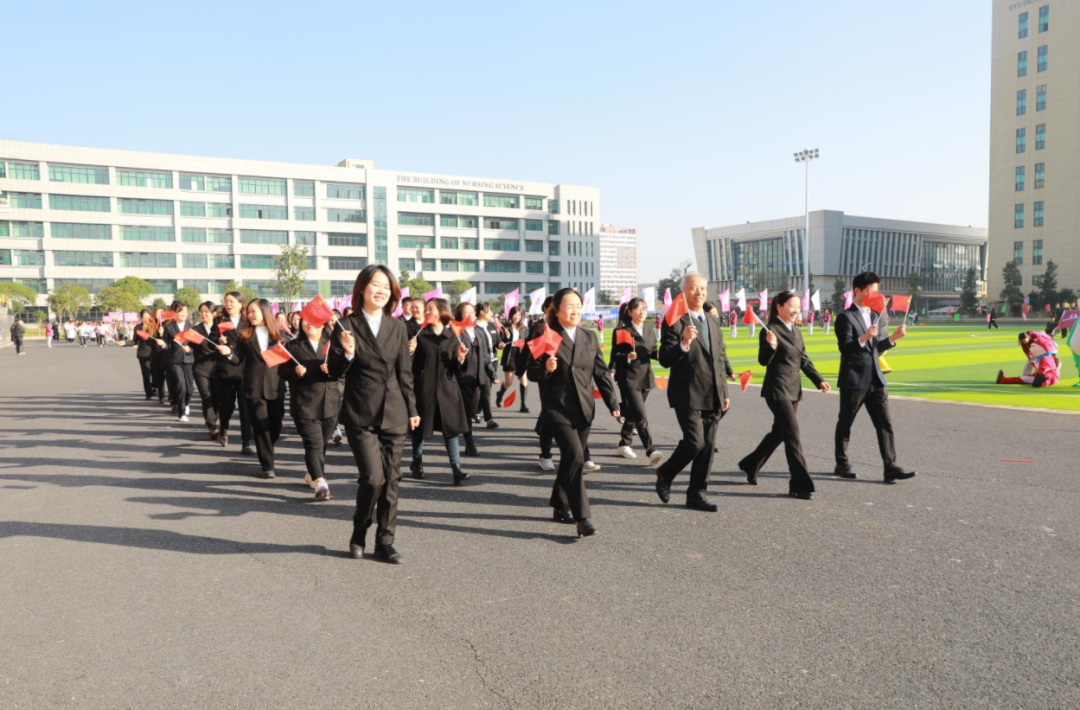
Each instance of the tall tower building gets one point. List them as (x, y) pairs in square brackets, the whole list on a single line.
[(618, 261)]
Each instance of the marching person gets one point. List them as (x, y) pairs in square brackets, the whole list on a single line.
[(490, 330), (230, 376), (145, 345), (693, 348), (861, 381), (515, 331), (476, 371), (378, 405), (179, 361), (203, 369), (158, 366), (634, 376), (17, 333), (567, 405), (436, 365), (783, 355), (48, 334), (412, 326)]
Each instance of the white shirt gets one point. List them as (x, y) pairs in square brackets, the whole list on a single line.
[(696, 317), (374, 322), (865, 315), (263, 334), (790, 326), (315, 345), (235, 320), (571, 333), (639, 329)]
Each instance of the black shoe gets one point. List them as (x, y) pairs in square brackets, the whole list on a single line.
[(417, 469), (470, 448), (751, 475), (801, 495), (459, 475), (663, 488), (498, 398), (266, 474), (387, 554), (562, 517), (356, 551), (700, 502), (524, 409), (223, 439), (247, 450), (844, 471), (895, 473), (492, 424), (585, 528), (149, 397)]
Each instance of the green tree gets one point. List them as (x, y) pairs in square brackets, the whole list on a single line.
[(189, 297), (134, 285), (674, 279), (839, 288), (1049, 288), (19, 296), (914, 284), (290, 274), (604, 298), (69, 300), (116, 298), (457, 287), (969, 296), (159, 302), (416, 286), (1011, 294), (246, 292)]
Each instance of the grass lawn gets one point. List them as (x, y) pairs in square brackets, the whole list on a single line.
[(958, 363)]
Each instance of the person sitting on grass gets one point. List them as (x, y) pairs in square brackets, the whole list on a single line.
[(1043, 369)]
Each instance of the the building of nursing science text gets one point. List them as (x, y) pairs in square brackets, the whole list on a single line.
[(89, 216)]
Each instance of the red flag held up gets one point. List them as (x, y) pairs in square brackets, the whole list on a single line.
[(548, 343), (901, 303), (317, 312), (168, 315), (596, 393), (190, 336), (623, 337), (142, 334), (875, 301), (519, 344), (751, 318), (225, 326), (276, 355), (677, 310)]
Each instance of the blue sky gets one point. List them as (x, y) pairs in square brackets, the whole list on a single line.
[(684, 114)]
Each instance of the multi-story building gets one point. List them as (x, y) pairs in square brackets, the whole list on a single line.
[(770, 255), (618, 261), (1034, 214), (91, 216)]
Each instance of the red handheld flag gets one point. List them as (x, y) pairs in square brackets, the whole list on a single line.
[(508, 400), (225, 325), (596, 393), (547, 343), (744, 379), (1047, 307), (316, 312), (661, 382), (901, 303), (519, 344), (190, 336), (751, 318), (677, 310), (875, 302), (168, 315), (142, 334), (432, 320), (623, 337), (276, 355)]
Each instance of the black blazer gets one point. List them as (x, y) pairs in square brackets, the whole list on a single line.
[(782, 366), (412, 328), (510, 354), (636, 374), (471, 375), (435, 370), (260, 381), (566, 395), (316, 395), (205, 359), (378, 380), (698, 378), (174, 352), (859, 366), (227, 368), (144, 349)]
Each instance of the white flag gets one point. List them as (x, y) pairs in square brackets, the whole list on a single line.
[(589, 306), (815, 300), (536, 301), (468, 296), (740, 299), (763, 297), (648, 294)]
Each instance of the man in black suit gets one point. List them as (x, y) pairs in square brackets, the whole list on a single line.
[(693, 348), (477, 371), (412, 325), (861, 380)]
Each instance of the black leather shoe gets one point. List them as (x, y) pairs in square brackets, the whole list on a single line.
[(524, 409), (844, 471), (663, 488), (417, 469), (387, 554), (247, 450), (585, 528), (562, 517), (700, 502), (356, 551), (459, 475), (498, 398), (471, 450), (895, 473), (492, 424), (801, 495), (751, 475)]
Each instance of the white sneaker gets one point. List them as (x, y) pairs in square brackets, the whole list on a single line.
[(337, 437), (590, 466), (626, 452), (307, 480), (546, 464), (187, 411), (655, 458), (322, 491), (183, 418)]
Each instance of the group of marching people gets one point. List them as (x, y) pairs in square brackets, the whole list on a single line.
[(379, 378)]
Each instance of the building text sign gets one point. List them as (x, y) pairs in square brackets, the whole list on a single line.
[(458, 182)]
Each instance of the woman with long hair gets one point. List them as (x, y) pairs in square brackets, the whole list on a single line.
[(378, 405), (477, 370), (145, 346), (515, 330), (179, 361), (203, 369), (229, 376), (634, 376), (782, 353), (566, 381)]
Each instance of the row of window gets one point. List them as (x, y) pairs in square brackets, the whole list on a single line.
[(1043, 61), (1044, 21), (64, 230), (583, 208), (1036, 253), (420, 219), (1018, 215), (21, 257), (1040, 100), (1040, 176), (1040, 138)]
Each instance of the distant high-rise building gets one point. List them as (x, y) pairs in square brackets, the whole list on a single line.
[(618, 261)]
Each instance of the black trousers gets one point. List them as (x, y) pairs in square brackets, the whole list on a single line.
[(633, 408), (485, 401), (158, 378), (785, 430), (18, 345), (378, 459), (547, 440), (208, 397), (695, 449), (316, 434), (470, 393), (876, 400), (181, 385), (146, 368), (568, 493), (266, 418), (229, 392)]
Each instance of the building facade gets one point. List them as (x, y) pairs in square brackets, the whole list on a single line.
[(618, 261), (1034, 213), (770, 255), (91, 216)]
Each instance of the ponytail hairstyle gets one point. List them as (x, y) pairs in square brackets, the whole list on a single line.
[(779, 300)]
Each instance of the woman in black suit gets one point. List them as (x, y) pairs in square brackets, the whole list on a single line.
[(158, 367), (379, 406), (634, 375), (782, 353), (229, 376), (436, 365), (263, 389), (145, 345), (566, 396), (203, 370), (179, 361), (516, 330), (477, 371)]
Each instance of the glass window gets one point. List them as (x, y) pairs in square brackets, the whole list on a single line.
[(1020, 178), (348, 263), (340, 191), (554, 269), (449, 265), (32, 201), (222, 261), (1044, 18), (1040, 136), (91, 285), (5, 257), (427, 264), (209, 183), (339, 239), (25, 229), (406, 264), (553, 228), (341, 288), (415, 219), (304, 239), (338, 215), (263, 236), (458, 221), (192, 209), (534, 203), (534, 267), (534, 245), (415, 194), (409, 242), (449, 243), (143, 178), (208, 286), (500, 223), (74, 173), (304, 214), (258, 261), (148, 261), (471, 199), (263, 212), (506, 267), (502, 201), (1036, 252), (1044, 57), (219, 236), (1018, 253), (261, 186), (502, 244), (1021, 102), (126, 205), (80, 203), (1021, 64), (1023, 25), (31, 257), (469, 243), (534, 225), (469, 264), (553, 207), (1038, 221), (163, 285), (3, 169), (65, 230), (1040, 98), (554, 248), (1021, 140), (303, 188), (1040, 175), (193, 234), (146, 234), (82, 258), (219, 209), (192, 182), (24, 171), (382, 239), (1018, 216)]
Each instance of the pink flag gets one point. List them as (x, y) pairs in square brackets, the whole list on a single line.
[(296, 307), (511, 300), (989, 316), (627, 294), (667, 298), (849, 298), (725, 300), (763, 297), (404, 295), (437, 293), (806, 301), (274, 308), (1068, 318)]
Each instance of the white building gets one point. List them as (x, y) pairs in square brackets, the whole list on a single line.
[(91, 216), (618, 261)]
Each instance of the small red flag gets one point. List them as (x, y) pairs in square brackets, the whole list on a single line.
[(1047, 307), (508, 400), (225, 325), (316, 312), (623, 337), (751, 318), (744, 379), (276, 355), (432, 320), (189, 336), (661, 382), (596, 393), (677, 310), (519, 344), (875, 302), (547, 343), (460, 325), (901, 303), (142, 334), (168, 315)]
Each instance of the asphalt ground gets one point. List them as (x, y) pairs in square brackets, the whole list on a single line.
[(142, 566)]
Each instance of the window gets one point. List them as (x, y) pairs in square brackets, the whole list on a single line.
[(499, 223), (553, 248), (406, 264), (82, 258), (147, 234), (554, 269), (261, 186), (207, 286), (338, 239), (148, 261), (72, 173), (79, 203), (415, 194), (1040, 98), (91, 285), (1040, 175), (414, 219), (258, 261), (1043, 57), (304, 214), (1018, 217), (502, 244), (1021, 102), (263, 236), (5, 257), (25, 229), (32, 200), (1044, 18), (30, 257), (553, 207), (64, 230), (534, 225), (506, 267), (219, 209), (1021, 140), (341, 288), (1038, 221), (534, 267), (1040, 136), (457, 222), (348, 263), (304, 239), (534, 245), (553, 228), (1023, 25), (1021, 64), (163, 285), (24, 171), (192, 209), (126, 205), (209, 183), (469, 264), (303, 188), (416, 242), (450, 265), (427, 264), (339, 191), (3, 169), (469, 243), (534, 203), (192, 234), (263, 212), (1036, 252), (221, 261), (449, 243), (192, 182), (336, 215), (143, 178), (1020, 178), (502, 201), (1018, 253), (471, 199)]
